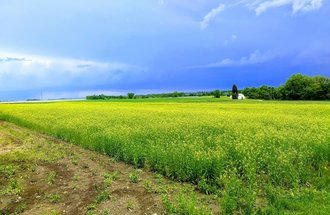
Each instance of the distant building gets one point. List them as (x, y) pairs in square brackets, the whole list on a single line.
[(240, 96)]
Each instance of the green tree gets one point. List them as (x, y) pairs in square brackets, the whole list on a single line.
[(216, 93), (234, 92), (296, 87), (175, 94), (319, 88), (130, 95)]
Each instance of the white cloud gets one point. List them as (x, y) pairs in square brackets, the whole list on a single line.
[(211, 15), (257, 57), (20, 72), (261, 6), (253, 58), (297, 5), (304, 6)]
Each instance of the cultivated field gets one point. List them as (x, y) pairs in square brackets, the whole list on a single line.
[(251, 156), (42, 175)]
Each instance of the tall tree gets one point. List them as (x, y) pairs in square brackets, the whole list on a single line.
[(234, 92)]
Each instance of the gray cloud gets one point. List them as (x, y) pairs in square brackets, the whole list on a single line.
[(11, 59), (83, 66)]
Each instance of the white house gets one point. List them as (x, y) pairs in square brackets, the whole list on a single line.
[(240, 96)]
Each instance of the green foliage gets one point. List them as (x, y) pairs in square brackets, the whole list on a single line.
[(130, 205), (20, 208), (148, 185), (234, 92), (7, 170), (216, 94), (237, 196), (297, 87), (134, 177), (174, 94), (263, 92), (51, 177), (103, 196), (130, 95), (104, 97), (14, 187), (74, 161), (185, 202), (53, 198), (300, 87), (91, 207), (110, 177), (206, 187)]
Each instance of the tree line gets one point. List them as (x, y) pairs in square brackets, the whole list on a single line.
[(215, 93), (297, 87)]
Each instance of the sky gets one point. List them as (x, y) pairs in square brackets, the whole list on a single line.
[(70, 49)]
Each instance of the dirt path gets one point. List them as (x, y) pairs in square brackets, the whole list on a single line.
[(42, 175)]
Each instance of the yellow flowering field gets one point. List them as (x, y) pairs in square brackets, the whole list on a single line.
[(255, 156)]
